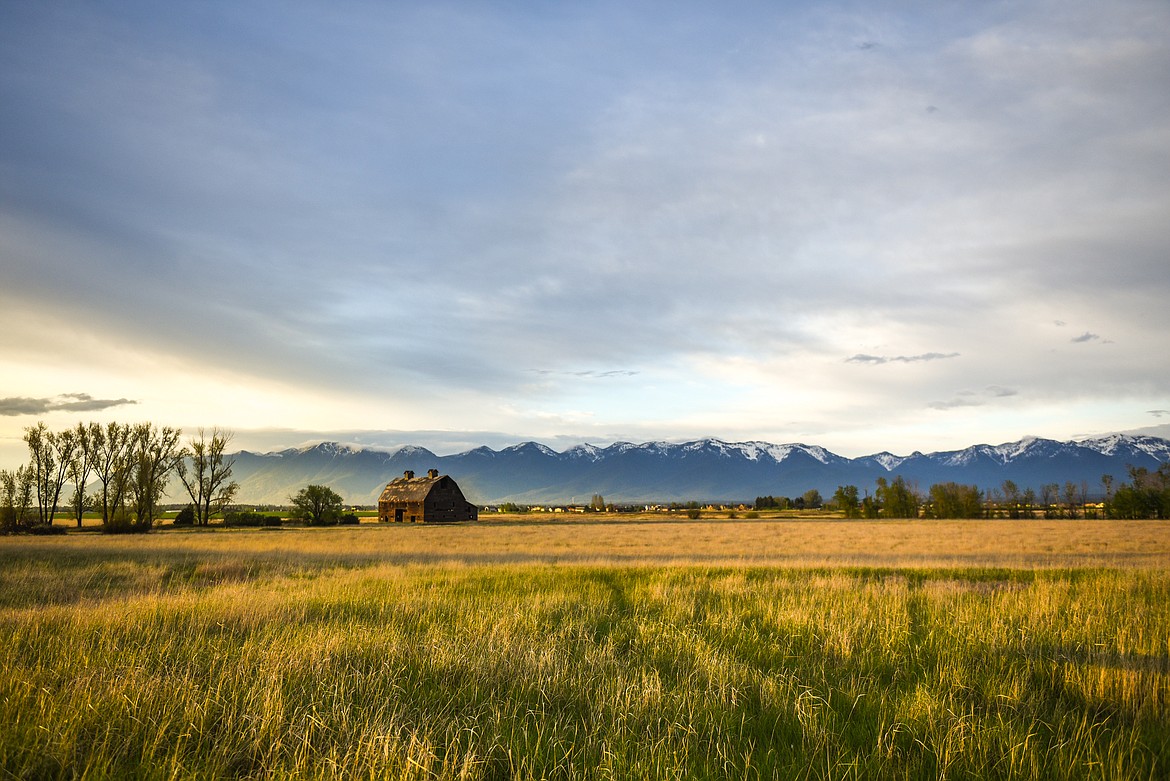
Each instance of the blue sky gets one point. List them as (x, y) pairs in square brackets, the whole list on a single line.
[(866, 226)]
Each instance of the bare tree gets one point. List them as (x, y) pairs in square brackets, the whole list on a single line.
[(156, 453), (43, 464), (1011, 498), (81, 465), (1070, 498), (1049, 494), (111, 465), (206, 471), (16, 490)]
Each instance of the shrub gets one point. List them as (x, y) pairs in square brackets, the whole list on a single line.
[(123, 523), (247, 518), (186, 516), (349, 519), (693, 513), (46, 528)]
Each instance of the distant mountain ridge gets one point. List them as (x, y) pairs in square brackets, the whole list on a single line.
[(703, 470)]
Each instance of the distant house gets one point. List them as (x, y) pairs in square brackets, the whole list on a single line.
[(432, 499)]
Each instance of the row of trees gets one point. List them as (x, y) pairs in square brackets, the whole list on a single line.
[(118, 470), (1146, 496)]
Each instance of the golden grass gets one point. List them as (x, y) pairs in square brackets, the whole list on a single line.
[(594, 649), (619, 541), (533, 671)]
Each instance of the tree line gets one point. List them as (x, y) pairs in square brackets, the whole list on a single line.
[(1146, 495), (119, 471)]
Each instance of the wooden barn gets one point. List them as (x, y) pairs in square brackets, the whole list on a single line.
[(432, 499)]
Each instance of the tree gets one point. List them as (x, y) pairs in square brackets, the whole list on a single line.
[(951, 500), (49, 456), (156, 453), (597, 503), (1029, 501), (1107, 484), (1011, 498), (1070, 499), (1049, 493), (869, 506), (317, 504), (206, 473), (1148, 496), (896, 498), (846, 499), (111, 465), (812, 499), (772, 503), (16, 491), (80, 466)]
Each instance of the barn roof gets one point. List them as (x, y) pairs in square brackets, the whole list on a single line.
[(409, 489)]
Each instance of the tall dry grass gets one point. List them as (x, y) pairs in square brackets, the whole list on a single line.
[(290, 656)]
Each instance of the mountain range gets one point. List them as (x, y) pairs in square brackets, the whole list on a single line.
[(704, 470)]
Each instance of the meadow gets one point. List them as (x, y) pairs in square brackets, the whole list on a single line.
[(773, 648)]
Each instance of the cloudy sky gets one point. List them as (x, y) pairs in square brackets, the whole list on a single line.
[(862, 225)]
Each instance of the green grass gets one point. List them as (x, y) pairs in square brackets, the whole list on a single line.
[(157, 664)]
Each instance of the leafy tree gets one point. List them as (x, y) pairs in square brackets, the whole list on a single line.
[(186, 516), (317, 504), (951, 500), (597, 503), (812, 499), (1147, 496), (205, 471), (846, 500), (896, 499), (869, 506)]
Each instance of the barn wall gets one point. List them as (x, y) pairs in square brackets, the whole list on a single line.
[(445, 504)]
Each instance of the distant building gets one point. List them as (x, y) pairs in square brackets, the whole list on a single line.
[(432, 499)]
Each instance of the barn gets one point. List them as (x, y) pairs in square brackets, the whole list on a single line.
[(432, 499)]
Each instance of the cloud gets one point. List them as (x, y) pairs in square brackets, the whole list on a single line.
[(970, 398), (880, 359), (589, 373), (1085, 337), (955, 403), (66, 402), (422, 205), (1159, 413)]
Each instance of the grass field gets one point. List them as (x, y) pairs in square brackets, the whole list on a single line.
[(710, 649)]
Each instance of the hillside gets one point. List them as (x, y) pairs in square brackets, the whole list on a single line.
[(705, 470)]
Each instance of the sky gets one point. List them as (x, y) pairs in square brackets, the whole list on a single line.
[(868, 226)]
